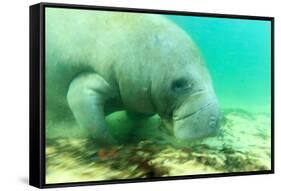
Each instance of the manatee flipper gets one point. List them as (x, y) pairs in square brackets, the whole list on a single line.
[(86, 96)]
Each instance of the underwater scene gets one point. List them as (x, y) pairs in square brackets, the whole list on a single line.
[(134, 95)]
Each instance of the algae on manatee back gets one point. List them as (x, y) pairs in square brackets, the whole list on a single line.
[(243, 144)]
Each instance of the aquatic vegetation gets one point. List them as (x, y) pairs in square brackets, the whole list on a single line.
[(243, 144)]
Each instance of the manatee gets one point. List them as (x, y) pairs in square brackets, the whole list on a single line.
[(100, 62)]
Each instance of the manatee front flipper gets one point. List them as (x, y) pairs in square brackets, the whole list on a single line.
[(86, 96)]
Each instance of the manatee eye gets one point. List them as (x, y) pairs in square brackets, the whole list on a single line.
[(180, 85)]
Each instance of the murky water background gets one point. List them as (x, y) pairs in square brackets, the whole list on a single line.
[(237, 54)]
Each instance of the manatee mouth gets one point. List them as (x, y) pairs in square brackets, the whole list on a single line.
[(195, 112)]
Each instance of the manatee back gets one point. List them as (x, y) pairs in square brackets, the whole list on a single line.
[(126, 49)]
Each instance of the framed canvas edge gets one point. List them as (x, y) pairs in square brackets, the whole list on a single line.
[(36, 176), (40, 55)]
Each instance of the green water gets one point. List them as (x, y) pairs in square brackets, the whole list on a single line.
[(238, 55)]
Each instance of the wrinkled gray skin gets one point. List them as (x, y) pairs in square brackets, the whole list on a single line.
[(145, 64)]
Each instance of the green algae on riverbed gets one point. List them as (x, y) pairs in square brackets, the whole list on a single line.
[(243, 144)]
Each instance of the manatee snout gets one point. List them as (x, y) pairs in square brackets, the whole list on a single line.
[(197, 118)]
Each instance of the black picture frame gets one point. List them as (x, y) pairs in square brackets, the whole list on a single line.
[(37, 93)]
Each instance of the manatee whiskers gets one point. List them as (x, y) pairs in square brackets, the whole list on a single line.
[(192, 113)]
